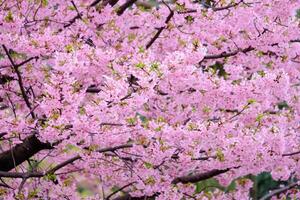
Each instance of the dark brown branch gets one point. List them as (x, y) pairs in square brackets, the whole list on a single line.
[(187, 11), (20, 174), (155, 37), (26, 61), (38, 174), (118, 190), (5, 185), (63, 164), (110, 2), (291, 154), (3, 134), (205, 158), (279, 191), (126, 5), (21, 152), (94, 3), (194, 178), (124, 146), (111, 124), (93, 90), (149, 44), (72, 21), (5, 79), (22, 63), (31, 145), (104, 3), (228, 54), (231, 5), (20, 81), (129, 197), (295, 41)]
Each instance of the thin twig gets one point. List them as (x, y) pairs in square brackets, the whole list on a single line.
[(291, 154), (118, 190), (20, 81)]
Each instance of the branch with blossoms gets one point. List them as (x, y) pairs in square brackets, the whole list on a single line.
[(227, 54), (159, 31), (279, 191), (194, 178), (27, 175), (215, 8), (86, 91), (15, 67)]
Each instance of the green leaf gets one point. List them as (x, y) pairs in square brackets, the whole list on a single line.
[(298, 13), (259, 117), (140, 65), (189, 19), (218, 69), (33, 194), (9, 17), (220, 155), (148, 165), (208, 185), (263, 183), (261, 73), (84, 191), (44, 3), (282, 105), (82, 111), (51, 177), (142, 117), (69, 48), (131, 120), (251, 101)]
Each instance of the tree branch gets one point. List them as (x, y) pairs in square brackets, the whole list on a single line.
[(231, 5), (291, 154), (103, 150), (149, 44), (118, 190), (38, 174), (126, 5), (21, 152), (20, 81), (279, 191), (228, 54), (93, 90), (129, 197), (194, 178), (63, 164)]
